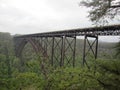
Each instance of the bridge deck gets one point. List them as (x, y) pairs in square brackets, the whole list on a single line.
[(59, 47), (102, 31)]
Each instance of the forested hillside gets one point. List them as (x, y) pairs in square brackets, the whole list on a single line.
[(28, 75)]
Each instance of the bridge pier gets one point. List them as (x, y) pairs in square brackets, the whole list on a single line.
[(56, 57), (63, 51), (88, 47), (70, 51)]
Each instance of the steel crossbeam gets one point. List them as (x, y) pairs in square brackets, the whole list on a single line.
[(113, 30), (59, 47), (89, 48)]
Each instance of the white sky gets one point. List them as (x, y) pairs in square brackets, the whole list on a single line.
[(35, 16)]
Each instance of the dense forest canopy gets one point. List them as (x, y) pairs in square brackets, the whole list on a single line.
[(29, 75)]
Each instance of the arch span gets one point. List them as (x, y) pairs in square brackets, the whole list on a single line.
[(34, 43)]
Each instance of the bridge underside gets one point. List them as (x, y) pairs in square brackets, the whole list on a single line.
[(59, 47)]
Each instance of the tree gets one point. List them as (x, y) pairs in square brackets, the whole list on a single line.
[(101, 11)]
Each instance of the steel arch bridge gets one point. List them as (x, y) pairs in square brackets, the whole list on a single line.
[(60, 46)]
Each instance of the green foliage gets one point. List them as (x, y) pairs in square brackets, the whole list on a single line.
[(20, 81), (109, 72), (71, 79), (100, 12), (33, 66), (26, 79), (104, 75), (39, 75)]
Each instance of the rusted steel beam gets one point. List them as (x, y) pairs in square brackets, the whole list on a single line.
[(52, 56), (90, 48), (61, 45), (113, 30), (74, 52)]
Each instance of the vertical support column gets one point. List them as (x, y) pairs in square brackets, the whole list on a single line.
[(52, 56), (58, 51), (90, 45), (74, 52), (96, 50), (84, 50), (61, 60), (70, 50), (41, 41), (45, 44), (63, 50)]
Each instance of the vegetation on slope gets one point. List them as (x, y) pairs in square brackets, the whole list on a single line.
[(103, 74)]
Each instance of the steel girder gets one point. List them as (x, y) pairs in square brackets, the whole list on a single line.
[(113, 30), (89, 49), (60, 47)]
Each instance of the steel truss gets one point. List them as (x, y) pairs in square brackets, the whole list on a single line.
[(63, 51), (59, 48), (90, 47)]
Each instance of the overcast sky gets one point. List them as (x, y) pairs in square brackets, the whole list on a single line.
[(35, 16)]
